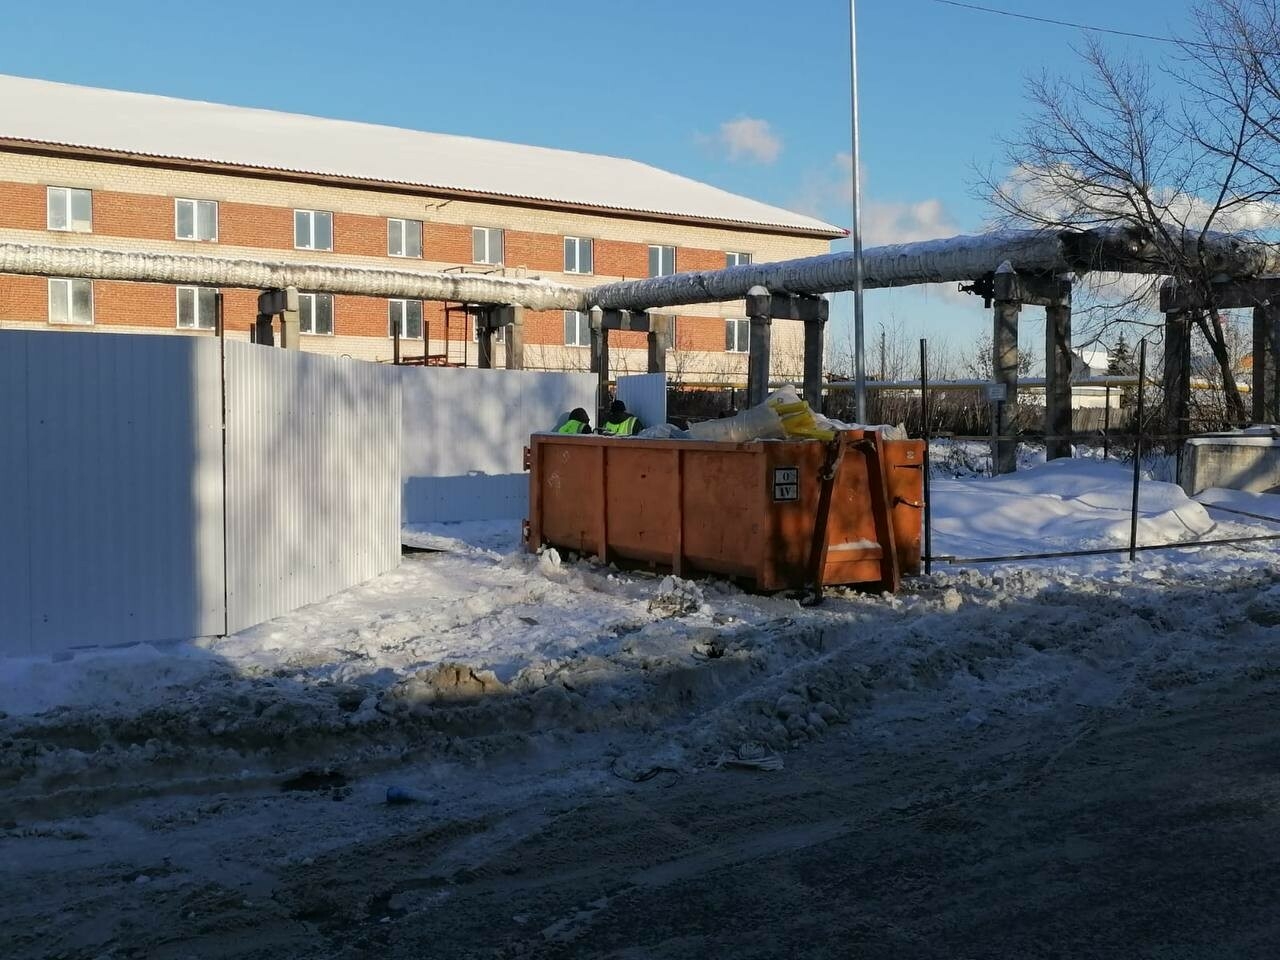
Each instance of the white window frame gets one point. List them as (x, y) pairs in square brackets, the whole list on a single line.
[(737, 258), (660, 247), (577, 244), (195, 219), (489, 233), (582, 329), (404, 318), (311, 229), (65, 200), (741, 335), (71, 320), (196, 291), (404, 223), (333, 320)]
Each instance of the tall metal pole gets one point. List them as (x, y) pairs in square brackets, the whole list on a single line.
[(1137, 452), (859, 346), (924, 432)]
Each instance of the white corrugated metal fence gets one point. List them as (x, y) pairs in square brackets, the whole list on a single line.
[(124, 519), (112, 486), (313, 478), (465, 431), (110, 490)]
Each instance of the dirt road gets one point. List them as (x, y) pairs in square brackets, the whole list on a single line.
[(1148, 831)]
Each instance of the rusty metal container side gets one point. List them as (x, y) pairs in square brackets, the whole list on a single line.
[(739, 510), (723, 525), (860, 546), (904, 468)]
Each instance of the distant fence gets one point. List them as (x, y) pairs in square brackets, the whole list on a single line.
[(465, 431), (124, 519)]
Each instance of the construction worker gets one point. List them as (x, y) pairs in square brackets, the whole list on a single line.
[(620, 423), (577, 422)]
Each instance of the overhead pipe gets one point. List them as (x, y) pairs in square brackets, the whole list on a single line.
[(92, 263), (1113, 249)]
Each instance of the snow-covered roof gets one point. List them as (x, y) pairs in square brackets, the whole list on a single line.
[(40, 111)]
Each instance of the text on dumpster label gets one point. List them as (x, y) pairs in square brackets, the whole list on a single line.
[(786, 483)]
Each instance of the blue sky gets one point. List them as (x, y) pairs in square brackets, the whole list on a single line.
[(750, 95)]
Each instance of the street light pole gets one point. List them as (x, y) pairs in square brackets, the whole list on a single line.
[(859, 345)]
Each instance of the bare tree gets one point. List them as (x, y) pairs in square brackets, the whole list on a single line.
[(977, 362), (1108, 150)]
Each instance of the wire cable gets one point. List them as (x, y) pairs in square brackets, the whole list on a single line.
[(1073, 25)]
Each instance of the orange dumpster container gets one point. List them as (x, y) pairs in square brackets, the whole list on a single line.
[(778, 514)]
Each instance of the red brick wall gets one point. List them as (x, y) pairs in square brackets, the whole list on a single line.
[(251, 225), (690, 258), (449, 242), (23, 206), (135, 215), (23, 298), (537, 251), (617, 258), (360, 235), (135, 305), (700, 333)]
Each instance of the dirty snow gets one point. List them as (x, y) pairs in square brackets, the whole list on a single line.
[(475, 645), (501, 687)]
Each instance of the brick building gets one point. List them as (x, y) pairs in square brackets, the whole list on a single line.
[(84, 167)]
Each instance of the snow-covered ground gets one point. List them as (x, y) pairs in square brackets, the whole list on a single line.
[(494, 681), (1073, 505), (476, 639)]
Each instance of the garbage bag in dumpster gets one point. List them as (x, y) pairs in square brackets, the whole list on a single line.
[(754, 511)]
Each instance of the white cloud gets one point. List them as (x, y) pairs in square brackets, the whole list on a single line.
[(1061, 193), (884, 223), (828, 192), (750, 139)]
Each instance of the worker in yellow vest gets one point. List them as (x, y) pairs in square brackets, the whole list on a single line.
[(620, 423), (576, 423)]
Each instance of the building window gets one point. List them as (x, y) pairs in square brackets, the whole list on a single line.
[(315, 313), (578, 255), (70, 301), (197, 308), (737, 335), (70, 209), (732, 259), (662, 261), (312, 230), (486, 245), (404, 238), (195, 219), (577, 328), (407, 316)]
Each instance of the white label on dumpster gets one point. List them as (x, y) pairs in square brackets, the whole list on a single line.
[(786, 483)]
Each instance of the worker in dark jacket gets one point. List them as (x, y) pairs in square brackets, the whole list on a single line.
[(577, 422), (620, 423)]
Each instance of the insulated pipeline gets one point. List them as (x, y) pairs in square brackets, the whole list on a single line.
[(1115, 249), (92, 263)]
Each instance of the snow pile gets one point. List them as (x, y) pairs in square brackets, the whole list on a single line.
[(1059, 505), (1265, 505)]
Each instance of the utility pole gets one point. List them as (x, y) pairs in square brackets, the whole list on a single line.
[(859, 345)]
